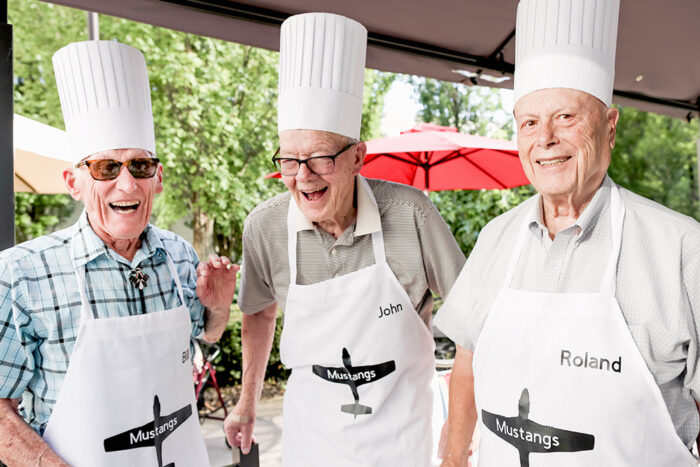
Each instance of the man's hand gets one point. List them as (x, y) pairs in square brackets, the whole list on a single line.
[(238, 426), (216, 282)]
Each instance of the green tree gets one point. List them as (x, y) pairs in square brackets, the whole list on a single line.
[(214, 106), (656, 156), (35, 95), (377, 84), (473, 110)]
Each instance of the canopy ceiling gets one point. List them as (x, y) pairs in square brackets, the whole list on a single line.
[(658, 51)]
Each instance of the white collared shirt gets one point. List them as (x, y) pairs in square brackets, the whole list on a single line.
[(658, 283)]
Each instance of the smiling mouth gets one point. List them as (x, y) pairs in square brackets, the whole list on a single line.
[(551, 162), (314, 195), (124, 207)]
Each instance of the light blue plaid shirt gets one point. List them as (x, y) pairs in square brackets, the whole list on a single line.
[(40, 303)]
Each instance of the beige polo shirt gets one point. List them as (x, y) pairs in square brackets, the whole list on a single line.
[(420, 248)]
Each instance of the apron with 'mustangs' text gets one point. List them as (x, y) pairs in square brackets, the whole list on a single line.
[(362, 364), (559, 381), (127, 398)]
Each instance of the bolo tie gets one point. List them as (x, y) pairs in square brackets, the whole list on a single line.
[(138, 278)]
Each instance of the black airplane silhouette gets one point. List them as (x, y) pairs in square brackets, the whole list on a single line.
[(354, 376), (151, 434), (528, 436)]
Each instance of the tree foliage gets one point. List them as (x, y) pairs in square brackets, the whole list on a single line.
[(214, 106), (656, 156), (377, 84), (35, 96), (36, 215), (215, 113), (473, 110)]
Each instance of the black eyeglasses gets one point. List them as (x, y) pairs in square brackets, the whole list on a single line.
[(320, 165), (108, 169)]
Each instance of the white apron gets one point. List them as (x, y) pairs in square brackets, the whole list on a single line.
[(362, 364), (127, 398), (559, 380)]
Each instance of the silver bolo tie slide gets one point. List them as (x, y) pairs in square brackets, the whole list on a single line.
[(138, 278)]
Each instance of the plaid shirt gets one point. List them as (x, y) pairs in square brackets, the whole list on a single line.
[(40, 303)]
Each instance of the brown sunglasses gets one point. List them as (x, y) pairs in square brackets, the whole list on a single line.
[(109, 169)]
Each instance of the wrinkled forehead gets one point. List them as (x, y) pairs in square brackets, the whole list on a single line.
[(552, 100), (121, 154), (306, 141)]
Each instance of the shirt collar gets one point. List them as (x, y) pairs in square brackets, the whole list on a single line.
[(86, 245), (585, 222), (368, 219)]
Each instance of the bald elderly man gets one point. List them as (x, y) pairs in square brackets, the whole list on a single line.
[(576, 315)]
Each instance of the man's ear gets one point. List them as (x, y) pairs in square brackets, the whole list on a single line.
[(69, 178), (159, 179), (612, 115), (360, 152)]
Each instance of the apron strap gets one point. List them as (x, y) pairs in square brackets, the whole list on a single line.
[(519, 246), (617, 214), (377, 237), (85, 308), (292, 241), (176, 278)]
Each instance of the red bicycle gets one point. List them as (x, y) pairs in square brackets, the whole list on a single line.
[(206, 373)]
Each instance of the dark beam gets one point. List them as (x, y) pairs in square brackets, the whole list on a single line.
[(275, 18), (7, 195), (498, 52), (685, 105), (493, 62)]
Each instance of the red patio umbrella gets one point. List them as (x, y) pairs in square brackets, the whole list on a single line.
[(432, 157)]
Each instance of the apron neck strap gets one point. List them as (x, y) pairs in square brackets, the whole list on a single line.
[(518, 247), (86, 310), (377, 237), (617, 215), (176, 278)]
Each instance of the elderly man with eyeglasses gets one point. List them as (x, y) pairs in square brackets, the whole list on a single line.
[(352, 262), (96, 319)]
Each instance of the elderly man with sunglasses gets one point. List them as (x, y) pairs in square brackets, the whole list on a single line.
[(96, 319), (352, 262)]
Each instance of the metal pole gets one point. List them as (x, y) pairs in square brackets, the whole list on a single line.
[(7, 195), (93, 26)]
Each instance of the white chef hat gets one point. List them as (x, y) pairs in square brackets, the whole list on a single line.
[(566, 44), (105, 97), (322, 70)]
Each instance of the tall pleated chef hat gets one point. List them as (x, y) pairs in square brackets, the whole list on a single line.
[(322, 70), (566, 44), (105, 98)]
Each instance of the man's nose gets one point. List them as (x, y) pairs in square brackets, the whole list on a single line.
[(125, 181), (304, 173), (547, 135)]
